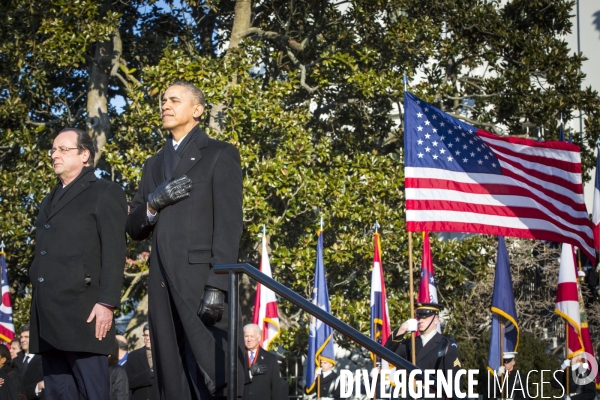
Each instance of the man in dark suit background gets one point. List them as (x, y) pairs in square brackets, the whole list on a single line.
[(266, 382), (190, 200), (140, 371), (77, 272), (30, 367)]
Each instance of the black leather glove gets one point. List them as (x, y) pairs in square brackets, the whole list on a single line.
[(212, 306), (170, 192), (258, 369)]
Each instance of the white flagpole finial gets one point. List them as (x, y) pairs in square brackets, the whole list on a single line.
[(405, 80), (264, 230), (376, 226), (597, 144), (2, 246), (321, 223)]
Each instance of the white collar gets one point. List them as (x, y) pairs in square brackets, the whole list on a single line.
[(175, 142), (427, 337), (327, 373)]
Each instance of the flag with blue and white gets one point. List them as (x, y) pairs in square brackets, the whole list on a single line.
[(320, 340)]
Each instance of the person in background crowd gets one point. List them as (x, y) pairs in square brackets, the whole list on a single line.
[(11, 387), (330, 382), (266, 382), (579, 370), (140, 371), (119, 384), (32, 375), (15, 349), (77, 272), (123, 349)]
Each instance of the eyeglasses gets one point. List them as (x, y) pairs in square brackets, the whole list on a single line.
[(62, 150)]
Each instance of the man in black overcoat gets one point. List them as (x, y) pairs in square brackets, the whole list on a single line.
[(266, 382), (77, 272), (140, 372), (433, 350), (190, 200)]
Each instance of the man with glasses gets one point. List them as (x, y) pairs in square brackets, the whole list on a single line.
[(77, 272), (433, 350)]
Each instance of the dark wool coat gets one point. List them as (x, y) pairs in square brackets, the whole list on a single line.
[(79, 261), (142, 384), (269, 386), (188, 238)]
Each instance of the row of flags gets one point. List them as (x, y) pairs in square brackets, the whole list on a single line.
[(7, 327)]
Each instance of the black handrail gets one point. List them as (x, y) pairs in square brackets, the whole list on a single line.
[(235, 269)]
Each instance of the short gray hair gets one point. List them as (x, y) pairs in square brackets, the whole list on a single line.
[(196, 93), (252, 326)]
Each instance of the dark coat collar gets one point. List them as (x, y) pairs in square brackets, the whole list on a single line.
[(73, 189), (189, 158)]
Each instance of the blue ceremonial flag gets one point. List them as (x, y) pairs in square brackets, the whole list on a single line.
[(503, 310), (320, 340)]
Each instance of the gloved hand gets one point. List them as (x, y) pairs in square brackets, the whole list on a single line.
[(258, 369), (374, 372), (212, 306), (501, 370), (565, 364), (412, 325), (170, 192), (318, 371)]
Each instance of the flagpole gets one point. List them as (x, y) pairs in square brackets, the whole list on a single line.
[(376, 227), (567, 377), (412, 297), (319, 385), (501, 323)]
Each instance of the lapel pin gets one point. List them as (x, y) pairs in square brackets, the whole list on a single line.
[(193, 158)]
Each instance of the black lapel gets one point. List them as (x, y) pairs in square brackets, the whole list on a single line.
[(46, 205), (191, 155), (80, 185), (433, 344), (157, 168)]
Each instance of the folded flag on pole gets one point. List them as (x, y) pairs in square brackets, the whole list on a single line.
[(265, 304), (380, 320), (427, 287), (596, 208), (7, 327), (504, 312), (320, 339), (462, 179), (567, 299)]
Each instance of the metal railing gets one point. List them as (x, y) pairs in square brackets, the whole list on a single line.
[(235, 270)]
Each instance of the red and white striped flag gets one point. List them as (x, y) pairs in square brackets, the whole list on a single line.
[(380, 316), (462, 179), (567, 299), (265, 304), (596, 208), (7, 327)]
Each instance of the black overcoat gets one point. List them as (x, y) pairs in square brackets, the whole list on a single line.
[(269, 386), (188, 238), (31, 376), (79, 261), (142, 384)]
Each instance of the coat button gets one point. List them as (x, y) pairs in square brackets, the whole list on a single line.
[(47, 226), (40, 279), (162, 284), (43, 252)]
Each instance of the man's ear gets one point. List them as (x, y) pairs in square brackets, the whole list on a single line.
[(198, 111)]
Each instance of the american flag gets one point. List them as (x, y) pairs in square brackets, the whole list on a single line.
[(7, 327), (462, 179)]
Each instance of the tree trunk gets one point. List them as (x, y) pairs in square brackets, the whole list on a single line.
[(133, 333)]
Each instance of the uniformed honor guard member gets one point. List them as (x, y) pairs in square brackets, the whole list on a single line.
[(509, 382), (433, 350)]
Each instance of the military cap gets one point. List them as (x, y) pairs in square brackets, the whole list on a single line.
[(427, 309)]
